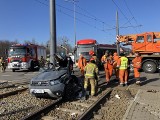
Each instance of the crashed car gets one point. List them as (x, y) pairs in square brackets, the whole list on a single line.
[(55, 82)]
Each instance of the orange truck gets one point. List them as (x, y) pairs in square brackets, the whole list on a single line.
[(148, 45)]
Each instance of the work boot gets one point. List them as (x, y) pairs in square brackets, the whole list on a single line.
[(126, 84), (121, 84), (85, 94), (138, 82)]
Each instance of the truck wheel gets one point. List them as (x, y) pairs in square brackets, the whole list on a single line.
[(149, 67), (13, 70)]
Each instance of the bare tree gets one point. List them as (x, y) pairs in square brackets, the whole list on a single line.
[(4, 46)]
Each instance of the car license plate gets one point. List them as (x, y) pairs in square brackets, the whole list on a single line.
[(38, 91)]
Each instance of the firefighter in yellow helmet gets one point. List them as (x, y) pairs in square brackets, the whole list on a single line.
[(91, 73)]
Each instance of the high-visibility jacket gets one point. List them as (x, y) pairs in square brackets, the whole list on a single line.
[(91, 70), (123, 63), (137, 62)]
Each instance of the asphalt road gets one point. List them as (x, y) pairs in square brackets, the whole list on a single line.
[(25, 76), (18, 76)]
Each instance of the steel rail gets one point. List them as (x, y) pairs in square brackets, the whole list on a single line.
[(87, 114), (12, 92), (37, 114)]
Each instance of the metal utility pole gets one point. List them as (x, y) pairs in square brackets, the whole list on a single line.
[(74, 10), (52, 31), (74, 2), (117, 33)]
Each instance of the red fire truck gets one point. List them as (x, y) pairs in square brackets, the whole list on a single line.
[(25, 56), (84, 46)]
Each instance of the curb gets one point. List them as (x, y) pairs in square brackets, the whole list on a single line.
[(130, 105)]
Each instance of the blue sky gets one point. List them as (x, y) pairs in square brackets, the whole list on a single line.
[(29, 19)]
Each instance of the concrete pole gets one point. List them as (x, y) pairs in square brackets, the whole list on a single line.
[(53, 45), (117, 33)]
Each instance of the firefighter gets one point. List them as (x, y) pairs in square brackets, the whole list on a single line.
[(42, 62), (91, 73), (122, 64), (48, 60), (115, 59), (136, 66), (93, 55), (2, 64), (82, 62), (108, 65)]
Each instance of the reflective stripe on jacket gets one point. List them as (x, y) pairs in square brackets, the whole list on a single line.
[(124, 63), (91, 69)]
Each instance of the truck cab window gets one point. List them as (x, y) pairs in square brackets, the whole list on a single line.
[(156, 39), (149, 38), (140, 39)]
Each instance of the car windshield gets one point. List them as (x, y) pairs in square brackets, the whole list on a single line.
[(17, 51)]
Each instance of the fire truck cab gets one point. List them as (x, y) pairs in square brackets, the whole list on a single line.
[(26, 56)]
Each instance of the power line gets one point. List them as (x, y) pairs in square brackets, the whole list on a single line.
[(93, 16), (88, 16), (59, 10), (42, 2), (125, 27), (131, 12), (127, 22), (122, 13)]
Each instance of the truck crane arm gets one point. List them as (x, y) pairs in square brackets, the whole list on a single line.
[(156, 34), (132, 37), (126, 38)]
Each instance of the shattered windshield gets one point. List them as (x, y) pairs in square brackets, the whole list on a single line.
[(17, 51)]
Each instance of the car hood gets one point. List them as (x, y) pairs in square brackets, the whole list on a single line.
[(49, 75)]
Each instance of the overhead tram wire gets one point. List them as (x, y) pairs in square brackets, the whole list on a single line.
[(93, 16), (82, 21), (131, 13), (87, 16), (90, 16), (123, 15), (41, 3), (59, 10)]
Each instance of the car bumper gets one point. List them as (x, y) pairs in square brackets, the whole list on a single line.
[(54, 91), (17, 65)]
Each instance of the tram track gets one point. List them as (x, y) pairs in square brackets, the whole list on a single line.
[(71, 110)]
